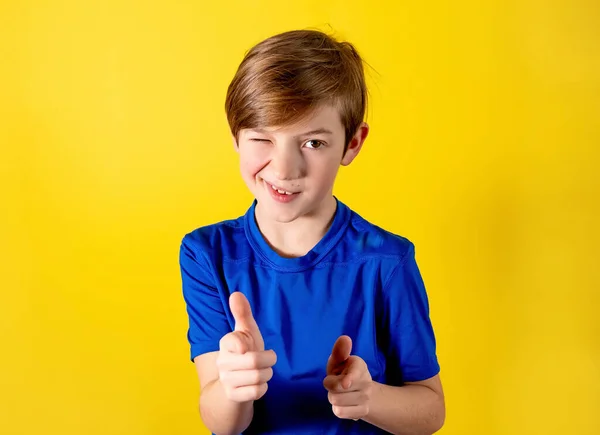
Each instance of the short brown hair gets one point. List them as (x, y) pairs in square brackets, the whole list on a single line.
[(284, 77)]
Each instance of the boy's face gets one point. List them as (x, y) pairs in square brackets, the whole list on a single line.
[(291, 170)]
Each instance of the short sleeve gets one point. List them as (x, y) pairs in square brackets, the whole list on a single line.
[(408, 331), (207, 318)]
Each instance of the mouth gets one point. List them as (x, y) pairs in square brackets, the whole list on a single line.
[(280, 190), (280, 194)]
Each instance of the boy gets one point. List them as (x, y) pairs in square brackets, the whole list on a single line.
[(303, 317)]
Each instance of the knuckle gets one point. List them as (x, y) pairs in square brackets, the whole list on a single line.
[(333, 399), (256, 392), (225, 378), (225, 341), (253, 358), (269, 375), (255, 377), (339, 411), (263, 389), (233, 342)]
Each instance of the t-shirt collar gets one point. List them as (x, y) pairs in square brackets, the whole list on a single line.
[(329, 240)]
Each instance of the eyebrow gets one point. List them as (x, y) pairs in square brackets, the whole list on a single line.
[(317, 131), (307, 133)]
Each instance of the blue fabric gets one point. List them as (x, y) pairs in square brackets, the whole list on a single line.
[(359, 280)]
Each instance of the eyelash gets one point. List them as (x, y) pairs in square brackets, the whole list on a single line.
[(321, 143)]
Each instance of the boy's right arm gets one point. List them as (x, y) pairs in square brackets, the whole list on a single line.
[(235, 376), (220, 415)]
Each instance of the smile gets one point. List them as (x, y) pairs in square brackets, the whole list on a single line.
[(280, 195), (280, 191)]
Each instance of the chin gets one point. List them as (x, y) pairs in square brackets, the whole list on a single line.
[(282, 216), (280, 213)]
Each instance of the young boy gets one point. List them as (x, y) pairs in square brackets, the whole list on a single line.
[(304, 318)]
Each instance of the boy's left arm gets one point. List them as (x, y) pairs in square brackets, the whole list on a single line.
[(413, 402), (416, 408)]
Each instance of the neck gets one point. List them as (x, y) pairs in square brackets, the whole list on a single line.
[(297, 238)]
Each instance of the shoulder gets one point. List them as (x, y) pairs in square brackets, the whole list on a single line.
[(370, 239), (215, 238)]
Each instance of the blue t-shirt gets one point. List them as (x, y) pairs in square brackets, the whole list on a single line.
[(359, 280)]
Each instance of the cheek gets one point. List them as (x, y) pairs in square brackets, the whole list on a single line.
[(324, 170), (252, 163)]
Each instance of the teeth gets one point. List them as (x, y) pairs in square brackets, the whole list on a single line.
[(281, 192)]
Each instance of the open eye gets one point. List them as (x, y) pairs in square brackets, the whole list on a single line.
[(314, 144)]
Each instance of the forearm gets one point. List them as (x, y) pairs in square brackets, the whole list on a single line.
[(406, 410), (221, 415)]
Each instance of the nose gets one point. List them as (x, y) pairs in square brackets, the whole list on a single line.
[(287, 163)]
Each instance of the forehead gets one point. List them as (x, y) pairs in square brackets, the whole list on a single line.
[(323, 120)]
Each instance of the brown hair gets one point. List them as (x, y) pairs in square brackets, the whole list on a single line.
[(283, 78)]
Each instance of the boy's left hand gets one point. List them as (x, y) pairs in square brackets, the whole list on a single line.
[(348, 381)]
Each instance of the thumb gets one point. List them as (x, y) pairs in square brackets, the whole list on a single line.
[(244, 321), (339, 354)]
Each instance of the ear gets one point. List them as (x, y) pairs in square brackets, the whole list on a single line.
[(356, 144), (235, 144)]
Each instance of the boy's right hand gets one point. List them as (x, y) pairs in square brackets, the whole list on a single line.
[(244, 365)]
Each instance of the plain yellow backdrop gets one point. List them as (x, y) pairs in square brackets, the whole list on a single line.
[(484, 149)]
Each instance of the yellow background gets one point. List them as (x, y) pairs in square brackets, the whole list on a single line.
[(484, 149)]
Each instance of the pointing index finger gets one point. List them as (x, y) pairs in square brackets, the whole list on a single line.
[(244, 320), (339, 354)]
